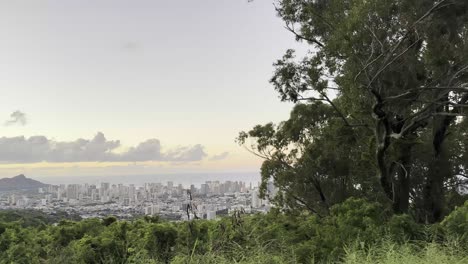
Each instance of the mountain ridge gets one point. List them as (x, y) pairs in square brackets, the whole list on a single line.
[(19, 182)]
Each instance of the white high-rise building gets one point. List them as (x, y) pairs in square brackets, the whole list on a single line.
[(152, 210), (256, 201), (12, 200)]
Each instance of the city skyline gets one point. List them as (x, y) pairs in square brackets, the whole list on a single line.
[(170, 200), (122, 94)]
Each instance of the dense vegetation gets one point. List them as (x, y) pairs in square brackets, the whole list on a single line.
[(356, 231), (36, 218)]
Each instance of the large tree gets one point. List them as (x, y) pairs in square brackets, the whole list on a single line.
[(395, 74)]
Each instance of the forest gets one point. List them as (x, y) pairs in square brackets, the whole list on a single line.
[(371, 166)]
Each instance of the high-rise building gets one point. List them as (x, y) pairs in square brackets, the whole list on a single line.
[(73, 191), (132, 193), (256, 201), (152, 210), (94, 195), (272, 189), (204, 189), (105, 186), (12, 199)]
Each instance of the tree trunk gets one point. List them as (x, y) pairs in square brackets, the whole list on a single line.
[(382, 132), (439, 171), (402, 181)]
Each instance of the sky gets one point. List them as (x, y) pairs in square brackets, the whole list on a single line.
[(115, 87)]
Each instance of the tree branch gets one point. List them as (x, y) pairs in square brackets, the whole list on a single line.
[(299, 36)]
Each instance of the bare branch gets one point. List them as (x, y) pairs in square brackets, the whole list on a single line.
[(255, 153), (448, 114), (304, 204), (336, 109), (311, 99), (299, 36), (464, 68)]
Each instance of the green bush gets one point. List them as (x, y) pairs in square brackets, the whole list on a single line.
[(401, 228), (160, 240), (456, 223)]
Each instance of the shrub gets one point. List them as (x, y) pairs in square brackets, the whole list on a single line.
[(456, 223), (160, 241), (401, 228)]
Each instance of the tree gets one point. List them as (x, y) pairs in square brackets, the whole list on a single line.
[(313, 157), (395, 74)]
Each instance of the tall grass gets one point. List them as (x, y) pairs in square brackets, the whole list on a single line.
[(388, 252), (411, 252)]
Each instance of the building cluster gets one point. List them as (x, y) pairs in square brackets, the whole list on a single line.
[(170, 201)]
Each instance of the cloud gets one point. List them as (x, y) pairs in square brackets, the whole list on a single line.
[(149, 148), (98, 149), (186, 154), (220, 156), (17, 117)]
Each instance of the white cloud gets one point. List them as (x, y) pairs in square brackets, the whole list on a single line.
[(220, 156), (17, 117), (99, 149), (149, 148), (193, 153)]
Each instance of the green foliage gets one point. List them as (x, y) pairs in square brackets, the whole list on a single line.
[(255, 257), (379, 107), (402, 228), (456, 224), (389, 252), (160, 241), (109, 220), (34, 218), (354, 230)]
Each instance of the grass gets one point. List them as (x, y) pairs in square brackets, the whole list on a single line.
[(414, 253), (386, 253)]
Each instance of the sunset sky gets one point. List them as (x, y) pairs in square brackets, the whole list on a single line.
[(116, 87)]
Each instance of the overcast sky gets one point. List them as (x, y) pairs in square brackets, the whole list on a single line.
[(93, 86)]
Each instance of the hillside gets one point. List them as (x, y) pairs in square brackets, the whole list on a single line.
[(356, 231), (19, 182)]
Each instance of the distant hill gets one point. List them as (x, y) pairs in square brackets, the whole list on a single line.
[(19, 182)]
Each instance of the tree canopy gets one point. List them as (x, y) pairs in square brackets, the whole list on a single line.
[(381, 102)]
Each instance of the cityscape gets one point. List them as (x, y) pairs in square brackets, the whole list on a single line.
[(169, 201), (247, 132)]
